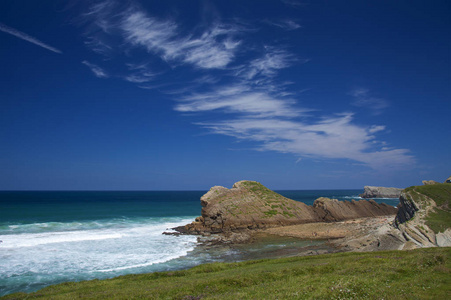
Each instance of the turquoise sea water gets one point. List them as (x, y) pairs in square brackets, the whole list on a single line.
[(53, 237)]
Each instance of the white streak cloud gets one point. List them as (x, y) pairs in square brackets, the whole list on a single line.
[(267, 65), (243, 96), (278, 124), (239, 99), (214, 48), (329, 138), (98, 71), (27, 38), (285, 24)]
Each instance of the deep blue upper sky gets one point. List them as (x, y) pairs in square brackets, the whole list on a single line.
[(163, 95)]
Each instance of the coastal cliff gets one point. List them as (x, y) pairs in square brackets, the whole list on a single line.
[(250, 205), (380, 192), (424, 215)]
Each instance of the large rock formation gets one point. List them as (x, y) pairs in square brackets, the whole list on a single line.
[(423, 220), (380, 192), (423, 215), (250, 205)]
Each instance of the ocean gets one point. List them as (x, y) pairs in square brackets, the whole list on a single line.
[(59, 236)]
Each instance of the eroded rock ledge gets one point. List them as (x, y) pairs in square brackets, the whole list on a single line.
[(250, 205)]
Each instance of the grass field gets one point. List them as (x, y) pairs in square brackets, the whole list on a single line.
[(440, 219), (417, 274)]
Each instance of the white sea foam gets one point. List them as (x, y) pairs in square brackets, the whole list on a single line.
[(35, 239), (111, 248)]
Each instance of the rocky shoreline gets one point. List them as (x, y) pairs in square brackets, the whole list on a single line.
[(249, 211), (249, 205)]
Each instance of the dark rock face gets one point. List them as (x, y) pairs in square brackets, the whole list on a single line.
[(250, 205), (406, 209), (380, 192)]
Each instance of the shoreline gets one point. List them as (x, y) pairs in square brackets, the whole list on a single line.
[(356, 235)]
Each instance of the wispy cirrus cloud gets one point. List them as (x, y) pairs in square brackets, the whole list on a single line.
[(333, 137), (362, 98), (27, 38), (213, 48), (279, 124), (236, 83), (267, 65), (239, 99), (98, 71), (285, 24)]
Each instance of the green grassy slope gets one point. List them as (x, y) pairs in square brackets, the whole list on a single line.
[(418, 274), (440, 193), (440, 219)]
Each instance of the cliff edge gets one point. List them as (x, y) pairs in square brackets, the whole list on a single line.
[(250, 205), (424, 215)]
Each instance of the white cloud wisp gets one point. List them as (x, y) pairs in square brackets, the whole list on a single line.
[(214, 48), (363, 99), (28, 38), (98, 71), (240, 92), (277, 125)]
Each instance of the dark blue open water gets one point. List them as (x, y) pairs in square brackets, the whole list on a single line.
[(53, 237)]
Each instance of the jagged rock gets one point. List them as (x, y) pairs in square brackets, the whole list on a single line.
[(406, 209), (380, 192), (250, 205)]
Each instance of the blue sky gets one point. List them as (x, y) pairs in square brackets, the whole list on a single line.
[(184, 95)]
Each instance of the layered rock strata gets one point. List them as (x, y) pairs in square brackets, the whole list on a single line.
[(250, 205), (411, 220), (380, 192)]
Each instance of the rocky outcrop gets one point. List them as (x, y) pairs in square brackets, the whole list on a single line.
[(415, 208), (380, 192), (247, 205), (250, 205), (333, 210), (406, 209), (429, 182)]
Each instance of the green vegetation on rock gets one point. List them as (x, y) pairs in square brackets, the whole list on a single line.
[(439, 218), (440, 193), (417, 274)]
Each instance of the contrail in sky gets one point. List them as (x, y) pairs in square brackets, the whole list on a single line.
[(27, 38)]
